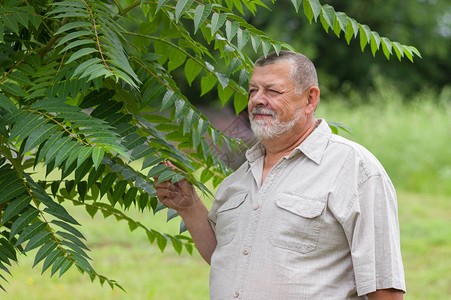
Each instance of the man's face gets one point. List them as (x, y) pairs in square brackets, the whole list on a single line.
[(274, 107)]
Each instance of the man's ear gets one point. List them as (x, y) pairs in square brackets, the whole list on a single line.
[(313, 99)]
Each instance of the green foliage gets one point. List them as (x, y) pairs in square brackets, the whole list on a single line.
[(88, 91)]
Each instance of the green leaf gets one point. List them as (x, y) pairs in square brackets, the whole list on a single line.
[(375, 42), (97, 155), (30, 231), (84, 153), (92, 210), (119, 190), (365, 35), (23, 221), (398, 50), (69, 228), (11, 22), (223, 79), (107, 108), (38, 136), (296, 4), (312, 9), (239, 102), (73, 239), (176, 59), (408, 52), (243, 38), (161, 241), (37, 240), (107, 183), (24, 127), (130, 196), (76, 44), (61, 213), (180, 108), (415, 50), (11, 189), (181, 7), (168, 99), (224, 94), (192, 69), (255, 40), (12, 89), (7, 104), (157, 170), (80, 53), (57, 264), (217, 21), (143, 200), (207, 83), (266, 46), (203, 126), (161, 3), (7, 249), (166, 175), (72, 25), (151, 161), (15, 207), (73, 35), (44, 251), (141, 151), (231, 29), (387, 47), (327, 16), (65, 267), (201, 14)]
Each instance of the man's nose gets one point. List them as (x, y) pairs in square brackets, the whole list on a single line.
[(259, 99)]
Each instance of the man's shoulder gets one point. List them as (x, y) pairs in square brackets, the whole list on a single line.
[(356, 153)]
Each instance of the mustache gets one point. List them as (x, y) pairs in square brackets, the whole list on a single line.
[(263, 110)]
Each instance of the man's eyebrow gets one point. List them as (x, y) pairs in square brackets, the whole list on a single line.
[(266, 85)]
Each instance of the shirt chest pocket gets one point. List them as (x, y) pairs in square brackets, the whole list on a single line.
[(297, 222), (227, 218)]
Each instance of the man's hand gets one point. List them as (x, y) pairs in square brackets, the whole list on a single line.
[(182, 197), (386, 294), (179, 196)]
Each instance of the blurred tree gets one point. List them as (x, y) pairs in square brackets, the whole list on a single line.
[(426, 23)]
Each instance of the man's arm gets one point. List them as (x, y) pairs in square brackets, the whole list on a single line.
[(386, 294), (182, 197)]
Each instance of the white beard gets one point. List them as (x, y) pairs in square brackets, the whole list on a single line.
[(270, 129)]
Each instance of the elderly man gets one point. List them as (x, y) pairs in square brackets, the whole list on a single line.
[(309, 215)]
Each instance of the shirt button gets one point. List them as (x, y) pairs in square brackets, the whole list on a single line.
[(246, 251), (256, 206), (236, 294)]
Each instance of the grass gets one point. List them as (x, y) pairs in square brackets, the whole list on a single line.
[(412, 142)]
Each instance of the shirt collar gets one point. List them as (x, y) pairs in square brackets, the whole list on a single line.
[(313, 146)]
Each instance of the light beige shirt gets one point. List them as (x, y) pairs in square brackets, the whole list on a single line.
[(323, 225)]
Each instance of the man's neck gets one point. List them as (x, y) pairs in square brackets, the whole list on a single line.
[(277, 148)]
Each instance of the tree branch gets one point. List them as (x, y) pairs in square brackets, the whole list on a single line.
[(52, 40)]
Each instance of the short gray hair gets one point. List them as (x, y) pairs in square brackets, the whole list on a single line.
[(303, 71)]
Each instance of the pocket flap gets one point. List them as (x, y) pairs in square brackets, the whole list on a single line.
[(233, 202), (301, 206)]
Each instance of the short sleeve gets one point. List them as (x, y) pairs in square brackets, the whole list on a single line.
[(372, 229)]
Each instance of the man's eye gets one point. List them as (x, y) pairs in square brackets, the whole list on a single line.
[(252, 92), (274, 91)]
